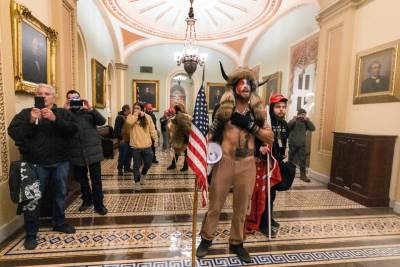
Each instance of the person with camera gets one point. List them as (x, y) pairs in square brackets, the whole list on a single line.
[(125, 154), (42, 136), (86, 151), (298, 128), (143, 134), (164, 120)]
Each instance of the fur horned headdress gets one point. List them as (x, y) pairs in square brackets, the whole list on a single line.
[(227, 103)]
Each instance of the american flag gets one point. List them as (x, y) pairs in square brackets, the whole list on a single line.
[(197, 149)]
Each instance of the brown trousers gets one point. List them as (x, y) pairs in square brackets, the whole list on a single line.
[(241, 174)]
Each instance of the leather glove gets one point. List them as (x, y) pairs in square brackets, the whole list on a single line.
[(245, 122)]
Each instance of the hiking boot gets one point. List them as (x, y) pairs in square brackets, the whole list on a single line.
[(241, 252), (30, 242), (101, 210), (85, 205), (303, 177), (202, 249), (65, 228)]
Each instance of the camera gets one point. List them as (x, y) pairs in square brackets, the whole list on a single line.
[(76, 103)]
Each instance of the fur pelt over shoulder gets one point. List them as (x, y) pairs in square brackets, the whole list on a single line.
[(179, 128), (228, 103)]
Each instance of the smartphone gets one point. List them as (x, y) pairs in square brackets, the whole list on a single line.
[(39, 102), (75, 103)]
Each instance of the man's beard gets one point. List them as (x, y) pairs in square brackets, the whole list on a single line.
[(242, 98)]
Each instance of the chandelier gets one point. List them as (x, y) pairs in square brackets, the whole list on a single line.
[(190, 56)]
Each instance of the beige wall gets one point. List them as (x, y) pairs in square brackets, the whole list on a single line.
[(362, 26), (51, 13)]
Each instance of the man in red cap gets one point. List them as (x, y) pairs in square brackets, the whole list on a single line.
[(277, 112), (148, 108)]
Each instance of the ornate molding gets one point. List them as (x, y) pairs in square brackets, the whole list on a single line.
[(121, 66), (3, 133), (339, 7), (73, 31)]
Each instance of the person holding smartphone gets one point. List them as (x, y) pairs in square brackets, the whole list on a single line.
[(42, 135), (142, 134), (86, 151)]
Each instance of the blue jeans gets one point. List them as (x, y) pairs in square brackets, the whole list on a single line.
[(140, 155), (56, 174), (125, 156)]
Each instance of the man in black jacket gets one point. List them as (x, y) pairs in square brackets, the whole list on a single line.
[(125, 153), (86, 151), (298, 128), (42, 136), (277, 112)]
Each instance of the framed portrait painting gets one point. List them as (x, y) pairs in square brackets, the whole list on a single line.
[(377, 75), (214, 92), (98, 84), (34, 50), (146, 91), (272, 86)]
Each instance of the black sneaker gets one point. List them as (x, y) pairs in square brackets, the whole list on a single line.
[(65, 228), (241, 252), (120, 172), (274, 231), (85, 205), (202, 249), (275, 223), (184, 168), (101, 210), (30, 242), (171, 167)]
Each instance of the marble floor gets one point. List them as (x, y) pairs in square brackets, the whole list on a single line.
[(153, 227)]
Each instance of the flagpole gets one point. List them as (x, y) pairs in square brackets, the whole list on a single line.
[(196, 196), (194, 221)]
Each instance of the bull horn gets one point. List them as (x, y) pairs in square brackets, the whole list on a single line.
[(223, 72)]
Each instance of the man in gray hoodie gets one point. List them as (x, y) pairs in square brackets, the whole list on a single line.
[(298, 127)]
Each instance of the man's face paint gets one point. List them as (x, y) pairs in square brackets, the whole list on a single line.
[(243, 89)]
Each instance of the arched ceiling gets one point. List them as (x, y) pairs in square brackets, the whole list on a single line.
[(229, 26), (217, 19)]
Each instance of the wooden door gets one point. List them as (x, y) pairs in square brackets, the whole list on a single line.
[(359, 165), (341, 155)]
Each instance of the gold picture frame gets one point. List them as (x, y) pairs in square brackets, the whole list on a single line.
[(377, 75), (274, 85), (146, 91), (98, 84), (214, 91), (34, 50)]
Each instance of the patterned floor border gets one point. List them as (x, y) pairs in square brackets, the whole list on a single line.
[(117, 239), (139, 204), (282, 258)]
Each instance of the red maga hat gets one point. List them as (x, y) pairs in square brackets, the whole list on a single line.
[(276, 98)]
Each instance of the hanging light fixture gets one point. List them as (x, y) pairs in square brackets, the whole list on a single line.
[(190, 56)]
